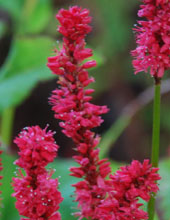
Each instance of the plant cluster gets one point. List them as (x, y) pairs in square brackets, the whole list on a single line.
[(100, 195)]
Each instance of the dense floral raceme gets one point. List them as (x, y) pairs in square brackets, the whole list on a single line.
[(36, 193), (128, 184), (153, 38), (0, 170), (71, 105)]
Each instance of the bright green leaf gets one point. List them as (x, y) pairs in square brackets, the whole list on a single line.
[(62, 170), (164, 193), (6, 188), (15, 89), (37, 15), (29, 53), (25, 67)]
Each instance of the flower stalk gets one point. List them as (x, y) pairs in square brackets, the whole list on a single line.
[(155, 139), (156, 125)]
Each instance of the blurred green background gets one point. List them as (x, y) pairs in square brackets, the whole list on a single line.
[(27, 37)]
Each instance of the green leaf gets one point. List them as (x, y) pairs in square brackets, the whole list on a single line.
[(13, 7), (67, 207), (15, 89), (164, 193), (156, 217), (8, 61), (6, 188), (31, 16), (24, 69), (115, 166), (29, 53), (37, 15)]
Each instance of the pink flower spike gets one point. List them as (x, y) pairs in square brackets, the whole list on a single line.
[(153, 38), (128, 184), (36, 193), (71, 104)]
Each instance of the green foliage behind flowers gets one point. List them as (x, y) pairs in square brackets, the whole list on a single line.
[(25, 64), (164, 193), (23, 69)]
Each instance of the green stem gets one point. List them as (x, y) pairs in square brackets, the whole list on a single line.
[(156, 127), (7, 125), (155, 140)]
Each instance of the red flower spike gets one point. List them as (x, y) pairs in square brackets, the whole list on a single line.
[(71, 104), (128, 184), (36, 193), (153, 38)]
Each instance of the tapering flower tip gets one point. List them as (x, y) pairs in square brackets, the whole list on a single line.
[(37, 147), (136, 180), (74, 22), (74, 27), (39, 203), (153, 38)]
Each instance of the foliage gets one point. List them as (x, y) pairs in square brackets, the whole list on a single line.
[(164, 193), (24, 68)]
